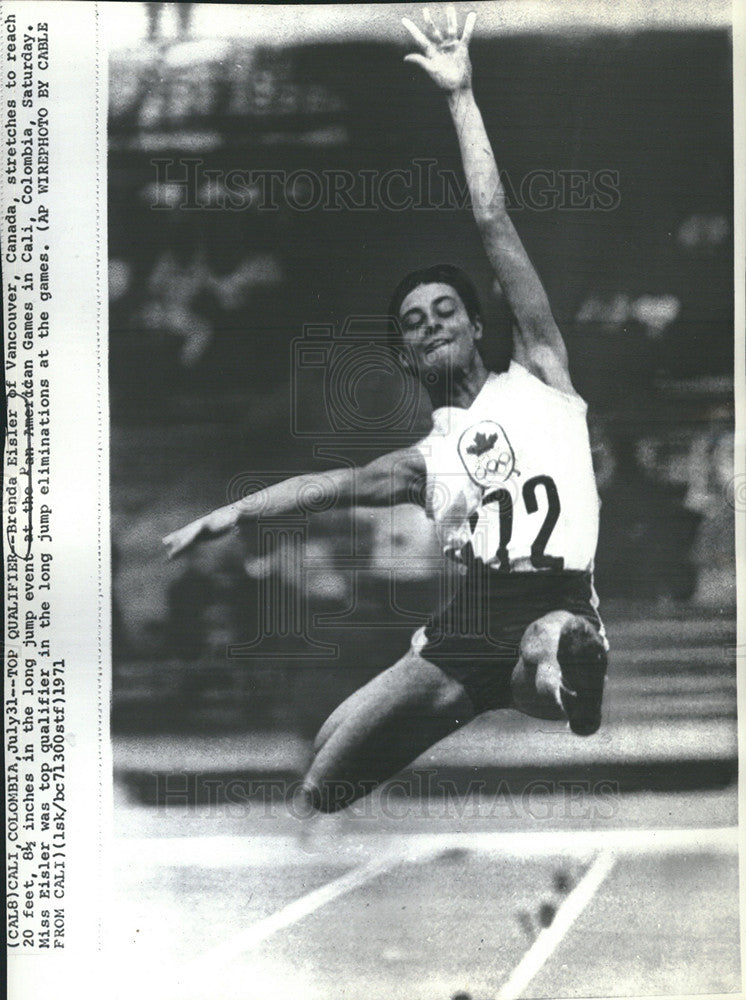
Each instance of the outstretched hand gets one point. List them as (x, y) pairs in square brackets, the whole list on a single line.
[(211, 525), (184, 538), (445, 56)]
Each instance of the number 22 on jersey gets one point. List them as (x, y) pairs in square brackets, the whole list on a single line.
[(503, 502)]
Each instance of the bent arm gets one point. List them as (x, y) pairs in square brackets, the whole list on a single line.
[(537, 341), (398, 477)]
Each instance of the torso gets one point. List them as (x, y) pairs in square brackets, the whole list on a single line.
[(510, 480)]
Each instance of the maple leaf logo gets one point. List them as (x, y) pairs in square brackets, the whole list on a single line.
[(481, 443)]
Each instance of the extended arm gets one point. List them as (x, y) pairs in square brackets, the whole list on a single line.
[(537, 342), (398, 477)]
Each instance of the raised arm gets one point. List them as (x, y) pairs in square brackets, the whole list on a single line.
[(537, 341), (398, 477)]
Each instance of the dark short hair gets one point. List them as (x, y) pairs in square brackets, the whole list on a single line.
[(446, 274)]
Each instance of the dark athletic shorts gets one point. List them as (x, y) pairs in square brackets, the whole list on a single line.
[(477, 637)]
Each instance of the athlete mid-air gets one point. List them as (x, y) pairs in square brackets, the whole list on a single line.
[(506, 476)]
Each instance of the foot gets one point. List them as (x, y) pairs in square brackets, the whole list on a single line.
[(583, 660)]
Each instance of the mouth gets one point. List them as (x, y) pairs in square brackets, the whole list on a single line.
[(432, 346)]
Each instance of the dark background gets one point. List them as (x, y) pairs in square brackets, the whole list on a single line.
[(206, 305)]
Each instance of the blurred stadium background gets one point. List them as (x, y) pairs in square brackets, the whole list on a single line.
[(206, 302)]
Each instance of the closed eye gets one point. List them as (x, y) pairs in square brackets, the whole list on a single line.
[(413, 319), (445, 306)]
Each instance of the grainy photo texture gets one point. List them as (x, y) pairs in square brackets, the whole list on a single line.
[(400, 300)]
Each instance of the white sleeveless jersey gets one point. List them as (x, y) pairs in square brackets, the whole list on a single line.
[(510, 480)]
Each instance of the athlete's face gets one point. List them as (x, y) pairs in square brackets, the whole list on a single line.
[(438, 334)]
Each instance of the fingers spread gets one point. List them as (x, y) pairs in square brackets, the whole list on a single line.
[(451, 22), (469, 26), (433, 27), (417, 59), (422, 40)]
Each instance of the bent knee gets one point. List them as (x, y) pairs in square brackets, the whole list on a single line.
[(541, 638), (320, 739), (331, 796)]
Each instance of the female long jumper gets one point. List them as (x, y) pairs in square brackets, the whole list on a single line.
[(506, 476)]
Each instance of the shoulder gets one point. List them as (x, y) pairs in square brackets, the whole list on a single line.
[(546, 374), (404, 469), (543, 353), (396, 477)]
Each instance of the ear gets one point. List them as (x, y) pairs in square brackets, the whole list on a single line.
[(478, 328)]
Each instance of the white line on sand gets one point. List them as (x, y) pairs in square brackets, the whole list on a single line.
[(253, 935), (550, 938), (385, 852)]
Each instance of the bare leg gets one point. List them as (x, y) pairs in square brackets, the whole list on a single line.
[(381, 728), (561, 671)]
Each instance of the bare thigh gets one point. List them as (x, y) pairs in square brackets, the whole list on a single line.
[(383, 727)]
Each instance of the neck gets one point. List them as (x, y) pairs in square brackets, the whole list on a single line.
[(458, 388)]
